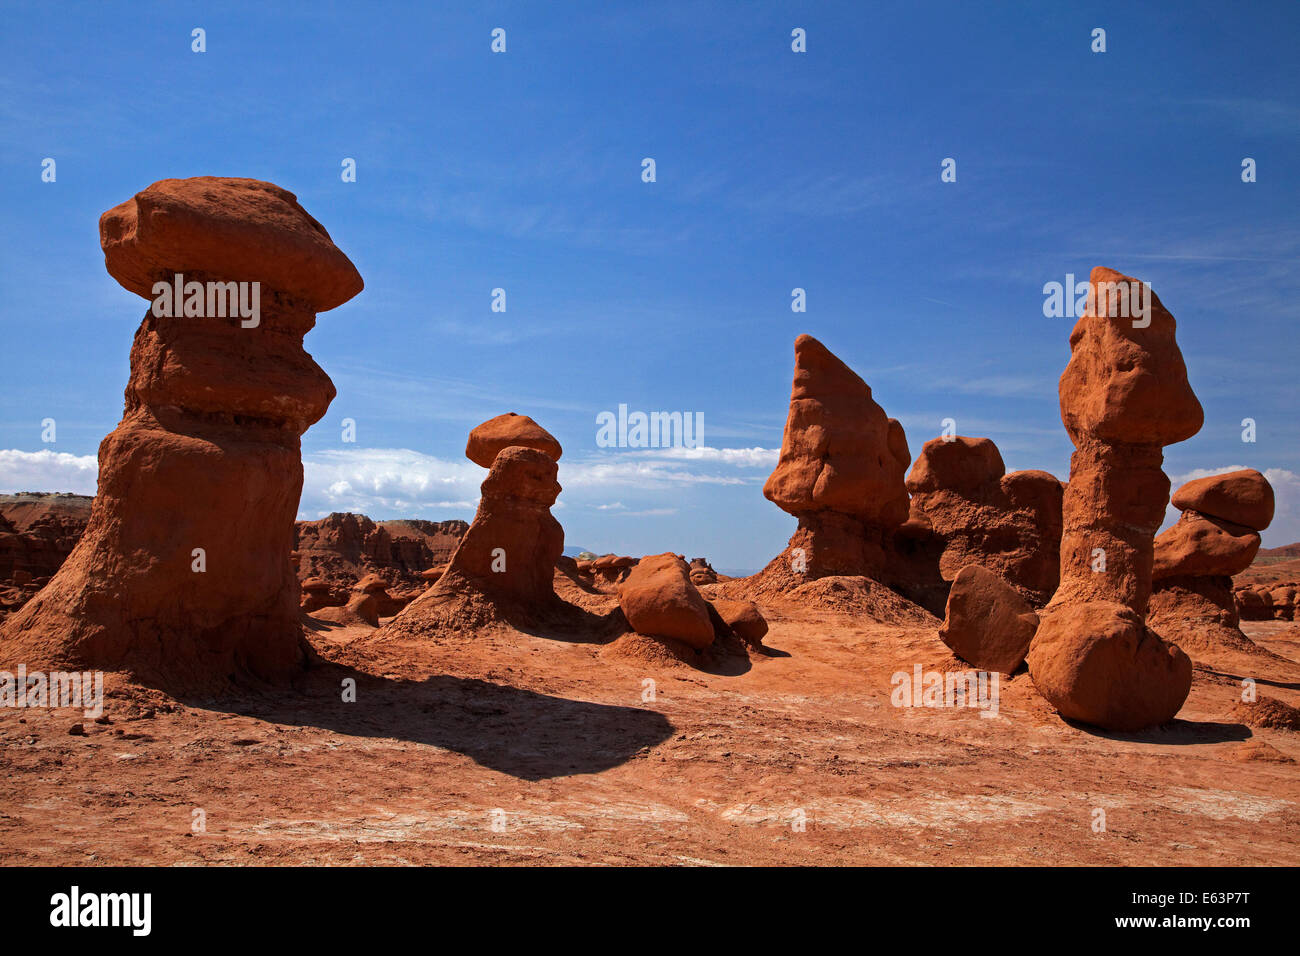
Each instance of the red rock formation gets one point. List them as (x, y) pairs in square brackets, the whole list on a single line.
[(1253, 603), (610, 569), (1124, 395), (504, 567), (1192, 602), (1283, 600), (702, 572), (487, 440), (987, 623), (1241, 497), (658, 600), (38, 531), (1010, 524), (840, 473), (316, 595), (207, 454)]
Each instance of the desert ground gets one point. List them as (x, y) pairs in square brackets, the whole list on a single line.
[(556, 734)]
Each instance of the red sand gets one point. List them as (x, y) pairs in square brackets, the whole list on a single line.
[(714, 770)]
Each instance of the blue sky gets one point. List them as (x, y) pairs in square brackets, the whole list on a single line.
[(775, 170)]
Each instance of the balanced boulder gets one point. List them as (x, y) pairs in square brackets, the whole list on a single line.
[(1192, 602), (488, 440), (1242, 497), (513, 543)]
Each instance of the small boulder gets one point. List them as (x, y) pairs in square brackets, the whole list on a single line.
[(658, 599), (988, 623), (743, 618)]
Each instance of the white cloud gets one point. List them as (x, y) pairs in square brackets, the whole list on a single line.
[(388, 482), (661, 468), (47, 471), (736, 457)]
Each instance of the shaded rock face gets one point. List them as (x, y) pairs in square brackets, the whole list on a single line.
[(987, 622), (1253, 603), (742, 618), (659, 600), (316, 595), (510, 551), (840, 472), (1010, 524), (487, 440), (1192, 602), (1124, 395), (207, 454)]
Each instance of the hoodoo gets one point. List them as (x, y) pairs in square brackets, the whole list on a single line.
[(1217, 536), (182, 576), (1124, 395), (504, 567), (840, 473), (980, 515)]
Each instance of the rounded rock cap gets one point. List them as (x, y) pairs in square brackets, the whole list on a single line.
[(486, 441), (1243, 497), (227, 229)]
